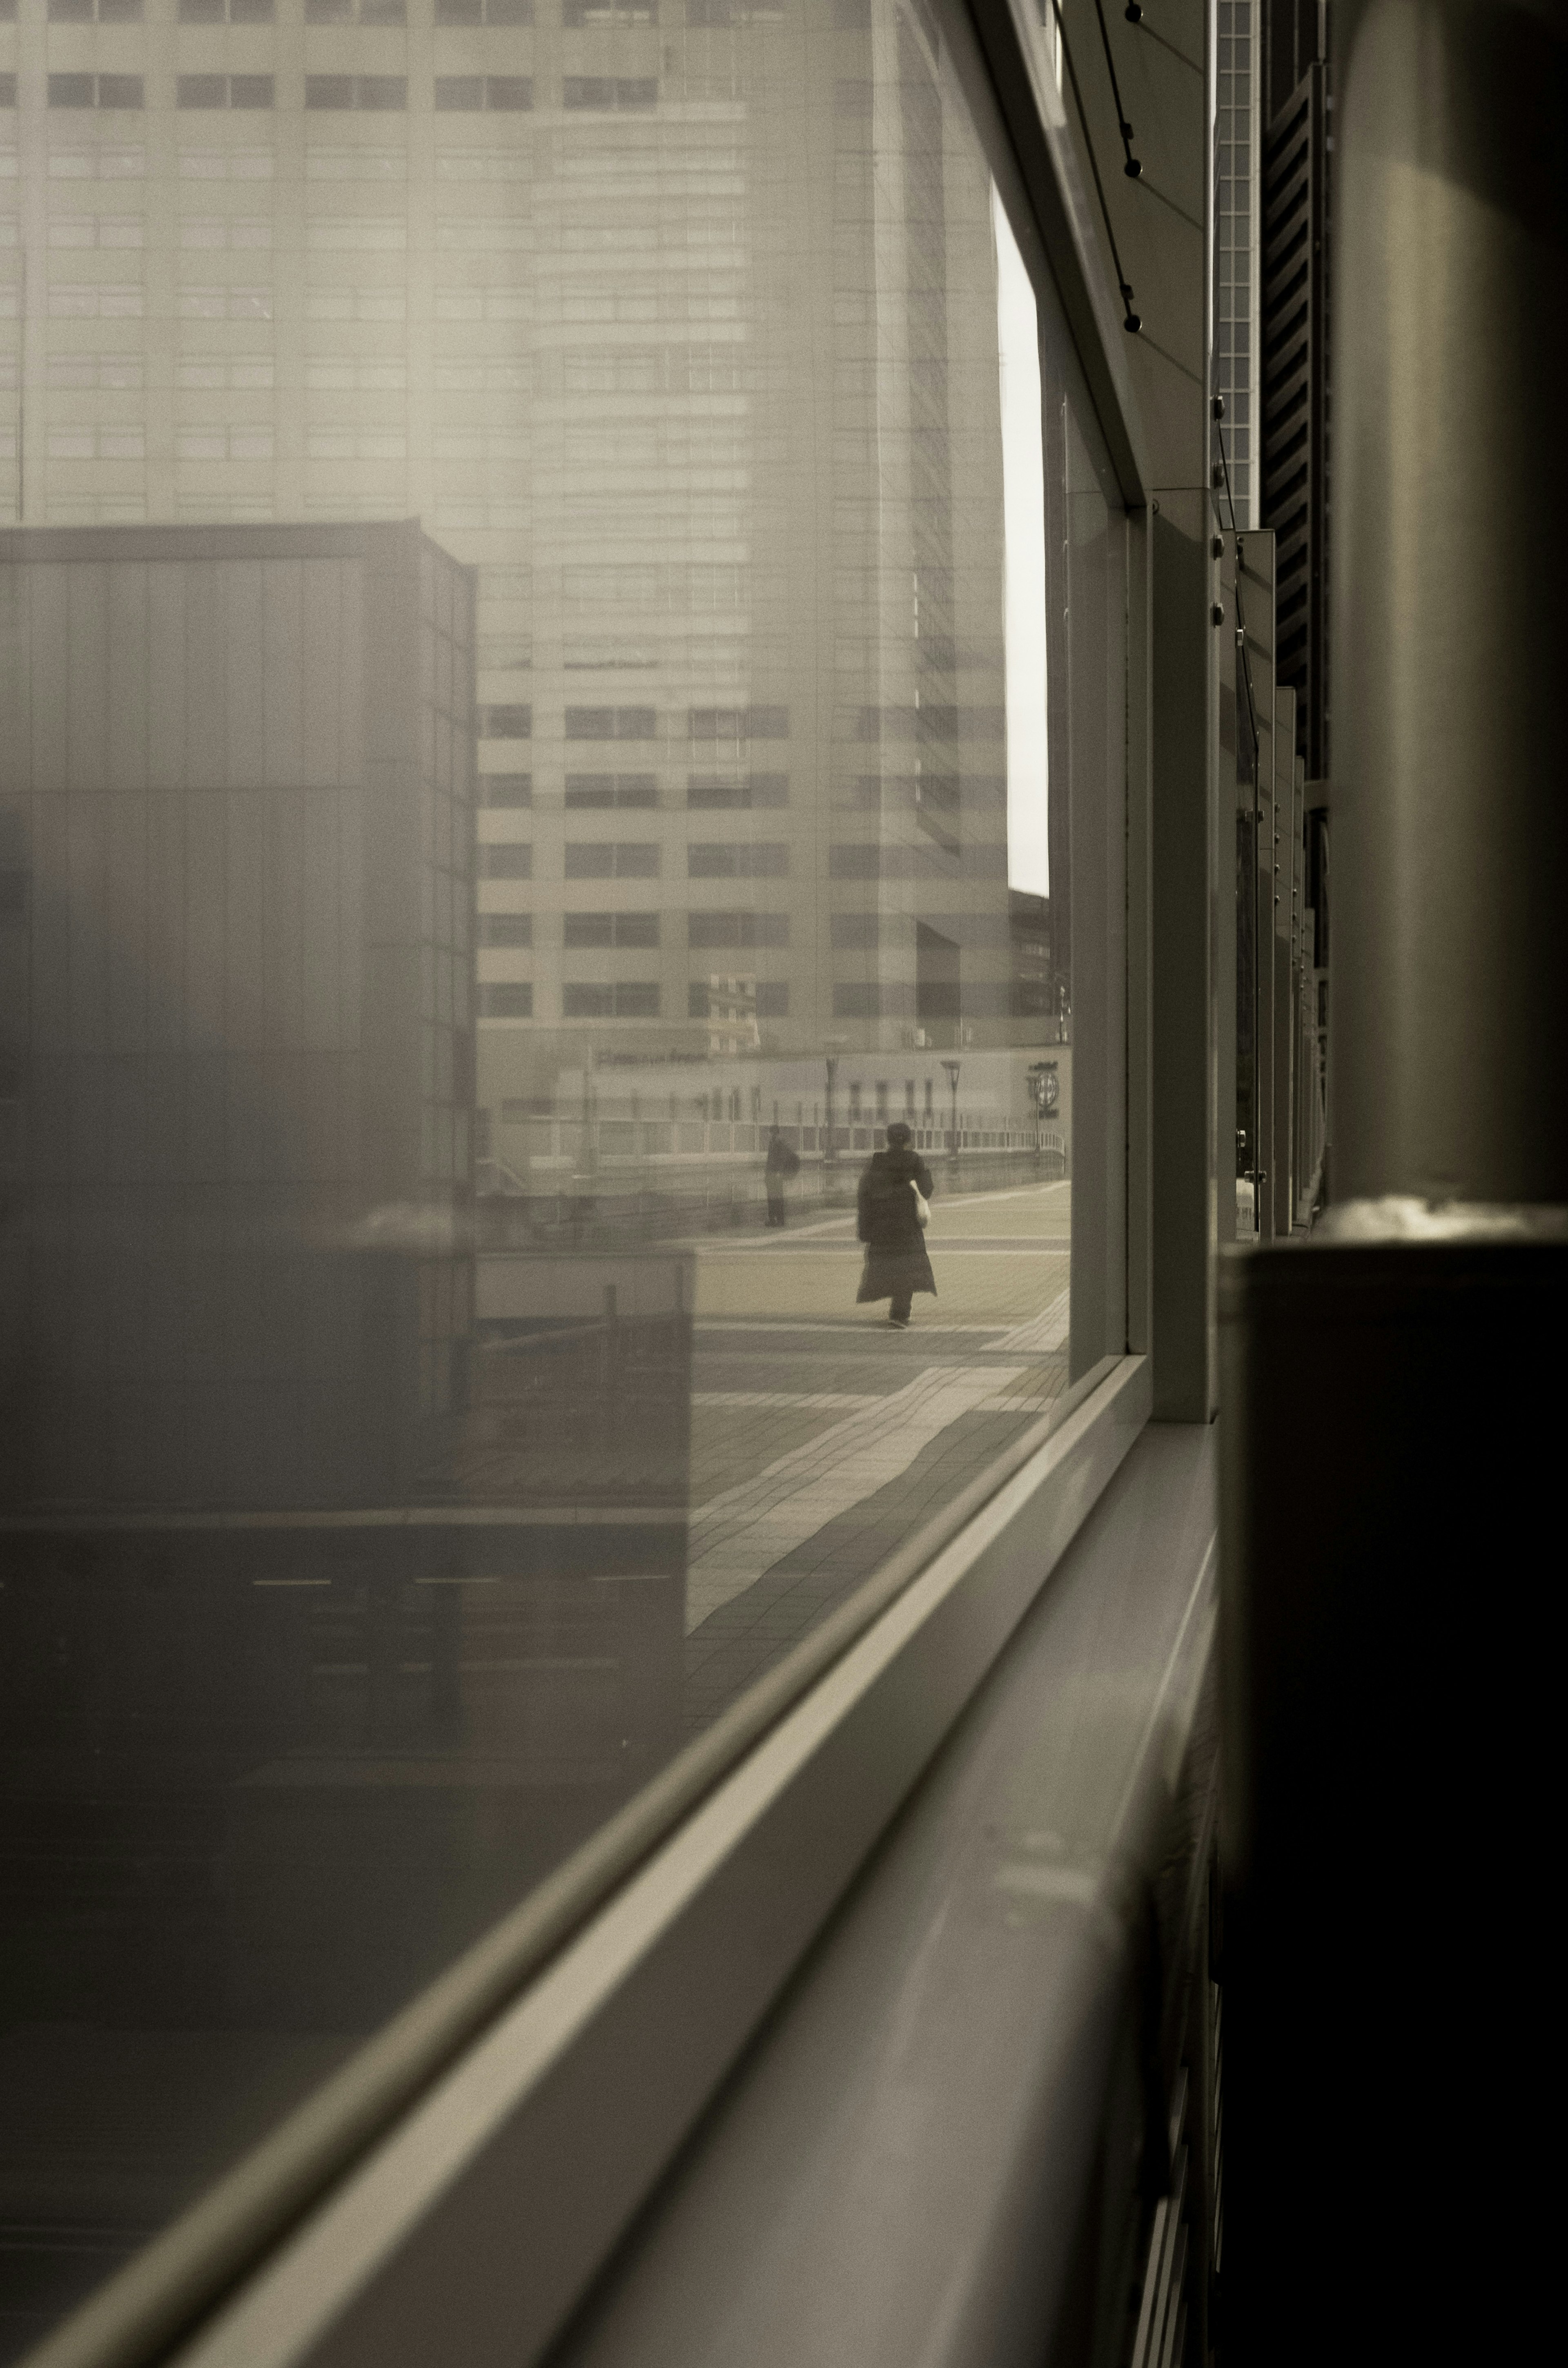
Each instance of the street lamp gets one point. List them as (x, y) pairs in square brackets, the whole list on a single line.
[(832, 1047), (952, 1069)]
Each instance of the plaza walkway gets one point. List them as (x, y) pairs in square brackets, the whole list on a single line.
[(822, 1438)]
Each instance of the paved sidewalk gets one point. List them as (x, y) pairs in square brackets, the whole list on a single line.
[(738, 1535), (822, 1437)]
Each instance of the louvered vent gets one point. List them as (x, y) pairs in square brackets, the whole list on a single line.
[(1294, 400)]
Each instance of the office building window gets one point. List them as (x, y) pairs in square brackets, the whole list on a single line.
[(505, 862), (625, 999), (739, 723), (737, 860), (373, 94), (505, 723), (599, 859), (604, 93), (356, 12), (737, 928), (749, 789), (506, 999), (105, 90), (223, 90), (612, 790), (611, 724), (472, 94), (611, 930), (706, 459)]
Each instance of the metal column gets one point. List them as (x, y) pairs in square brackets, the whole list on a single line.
[(1391, 1396)]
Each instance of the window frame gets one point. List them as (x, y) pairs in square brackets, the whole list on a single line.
[(545, 2082), (557, 2115)]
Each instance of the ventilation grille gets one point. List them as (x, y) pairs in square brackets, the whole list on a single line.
[(1293, 400), (1161, 2340)]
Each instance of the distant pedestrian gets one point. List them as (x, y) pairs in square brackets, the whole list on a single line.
[(891, 1223), (777, 1167)]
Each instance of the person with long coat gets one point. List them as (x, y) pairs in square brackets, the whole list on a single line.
[(777, 1167), (889, 1224)]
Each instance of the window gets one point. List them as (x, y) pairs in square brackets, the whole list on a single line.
[(606, 91), (506, 999), (500, 504), (751, 789), (623, 1000), (507, 861), (611, 724), (223, 90), (106, 90), (599, 859), (505, 723), (375, 94), (739, 723), (853, 932), (737, 860), (738, 928), (470, 94), (612, 790), (612, 929)]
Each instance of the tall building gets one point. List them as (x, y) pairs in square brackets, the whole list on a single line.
[(545, 278)]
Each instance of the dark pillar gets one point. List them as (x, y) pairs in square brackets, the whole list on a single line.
[(1392, 1394)]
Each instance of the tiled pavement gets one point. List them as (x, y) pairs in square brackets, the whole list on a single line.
[(822, 1438)]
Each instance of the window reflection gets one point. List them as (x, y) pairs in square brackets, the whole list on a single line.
[(562, 676)]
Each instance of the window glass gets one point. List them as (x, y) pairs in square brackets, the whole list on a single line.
[(565, 675)]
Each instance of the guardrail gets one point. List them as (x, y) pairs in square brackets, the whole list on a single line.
[(625, 1202)]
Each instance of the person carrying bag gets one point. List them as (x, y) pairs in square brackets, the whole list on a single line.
[(891, 1210)]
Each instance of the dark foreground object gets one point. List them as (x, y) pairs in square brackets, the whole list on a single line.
[(1392, 1553)]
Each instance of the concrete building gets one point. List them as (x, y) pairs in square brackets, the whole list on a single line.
[(235, 834)]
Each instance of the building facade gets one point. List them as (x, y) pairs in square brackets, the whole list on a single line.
[(237, 1035), (537, 276)]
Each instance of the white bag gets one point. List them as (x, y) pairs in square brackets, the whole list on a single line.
[(922, 1205)]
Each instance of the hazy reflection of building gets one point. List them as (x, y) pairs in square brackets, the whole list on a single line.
[(735, 522), (239, 772), (783, 817), (358, 1621)]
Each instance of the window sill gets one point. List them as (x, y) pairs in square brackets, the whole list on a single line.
[(495, 2201)]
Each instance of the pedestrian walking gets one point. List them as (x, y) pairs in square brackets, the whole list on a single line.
[(777, 1168), (891, 1211)]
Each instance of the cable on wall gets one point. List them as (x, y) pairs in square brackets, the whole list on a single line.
[(1257, 1112), (1132, 168), (1133, 322)]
